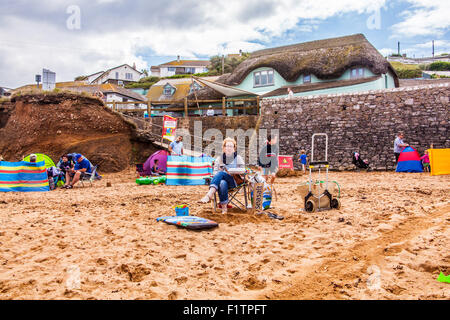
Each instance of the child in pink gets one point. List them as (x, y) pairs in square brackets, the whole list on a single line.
[(425, 161)]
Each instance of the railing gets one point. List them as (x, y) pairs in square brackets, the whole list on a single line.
[(148, 106)]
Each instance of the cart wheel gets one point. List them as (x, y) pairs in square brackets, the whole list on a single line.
[(335, 204), (310, 206)]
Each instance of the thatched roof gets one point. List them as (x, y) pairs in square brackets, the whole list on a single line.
[(326, 59)]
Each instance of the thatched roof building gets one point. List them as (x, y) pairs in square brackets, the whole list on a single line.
[(326, 59)]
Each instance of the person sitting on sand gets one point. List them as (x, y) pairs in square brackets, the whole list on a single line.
[(223, 180), (33, 158), (65, 165), (155, 169), (82, 165)]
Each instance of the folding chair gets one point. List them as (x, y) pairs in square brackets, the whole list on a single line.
[(232, 196), (89, 176)]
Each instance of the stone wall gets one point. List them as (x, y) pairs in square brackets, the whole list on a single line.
[(365, 122)]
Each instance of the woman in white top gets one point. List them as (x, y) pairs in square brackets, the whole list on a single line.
[(223, 180)]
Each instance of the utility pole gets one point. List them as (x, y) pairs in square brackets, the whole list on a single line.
[(433, 48), (223, 62), (398, 48)]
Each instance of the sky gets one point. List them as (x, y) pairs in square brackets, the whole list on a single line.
[(81, 37)]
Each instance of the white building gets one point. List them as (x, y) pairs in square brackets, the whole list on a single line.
[(179, 67), (119, 75)]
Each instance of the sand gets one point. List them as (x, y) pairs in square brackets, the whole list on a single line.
[(389, 240)]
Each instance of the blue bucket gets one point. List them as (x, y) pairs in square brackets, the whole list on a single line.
[(182, 211)]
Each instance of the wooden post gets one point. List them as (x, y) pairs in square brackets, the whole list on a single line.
[(257, 105), (223, 106), (185, 108), (149, 108), (114, 106)]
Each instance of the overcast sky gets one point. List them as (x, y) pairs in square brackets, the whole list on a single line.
[(81, 37)]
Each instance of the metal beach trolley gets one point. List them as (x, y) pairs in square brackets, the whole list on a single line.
[(317, 200)]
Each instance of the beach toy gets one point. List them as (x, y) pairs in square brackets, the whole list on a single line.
[(189, 222), (182, 210), (160, 179), (151, 180), (443, 278), (143, 180)]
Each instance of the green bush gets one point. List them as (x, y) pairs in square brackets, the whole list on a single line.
[(439, 66), (140, 85), (409, 73)]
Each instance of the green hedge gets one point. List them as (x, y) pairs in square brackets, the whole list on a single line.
[(409, 73), (439, 66)]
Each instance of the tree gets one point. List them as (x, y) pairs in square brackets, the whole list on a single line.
[(230, 63), (145, 72)]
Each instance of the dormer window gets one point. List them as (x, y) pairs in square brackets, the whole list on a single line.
[(357, 73), (263, 78), (195, 87), (168, 90), (307, 78)]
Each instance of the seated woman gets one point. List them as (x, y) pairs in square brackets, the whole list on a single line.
[(155, 169), (223, 180), (65, 165)]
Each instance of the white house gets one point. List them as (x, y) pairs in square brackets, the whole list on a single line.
[(119, 75), (180, 67)]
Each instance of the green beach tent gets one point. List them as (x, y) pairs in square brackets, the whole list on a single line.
[(42, 157)]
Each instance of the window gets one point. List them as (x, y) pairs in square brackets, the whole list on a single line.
[(171, 69), (168, 90), (306, 78), (263, 78), (190, 70), (196, 87), (357, 73), (129, 76), (117, 75)]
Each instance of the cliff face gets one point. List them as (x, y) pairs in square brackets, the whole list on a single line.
[(55, 124)]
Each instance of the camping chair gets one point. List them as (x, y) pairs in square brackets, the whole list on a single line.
[(233, 195), (89, 176)]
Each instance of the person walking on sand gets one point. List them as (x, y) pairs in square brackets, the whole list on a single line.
[(268, 159), (399, 145), (426, 162), (303, 160), (176, 147)]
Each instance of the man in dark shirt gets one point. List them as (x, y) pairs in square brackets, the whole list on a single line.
[(82, 165)]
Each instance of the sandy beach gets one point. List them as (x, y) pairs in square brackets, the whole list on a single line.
[(389, 240)]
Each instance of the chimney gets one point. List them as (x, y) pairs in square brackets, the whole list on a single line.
[(240, 52), (178, 58), (134, 65)]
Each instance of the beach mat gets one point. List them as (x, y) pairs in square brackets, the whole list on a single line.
[(189, 222)]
